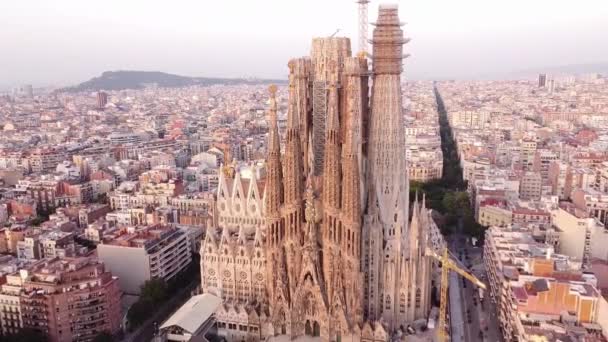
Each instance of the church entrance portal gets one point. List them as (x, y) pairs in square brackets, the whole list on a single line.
[(312, 328)]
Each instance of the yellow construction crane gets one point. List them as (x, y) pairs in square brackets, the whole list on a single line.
[(448, 264)]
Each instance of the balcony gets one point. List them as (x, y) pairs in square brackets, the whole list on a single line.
[(85, 335), (35, 322), (33, 311), (90, 319), (90, 311), (33, 302), (88, 303)]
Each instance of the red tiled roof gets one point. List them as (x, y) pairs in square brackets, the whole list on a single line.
[(520, 293)]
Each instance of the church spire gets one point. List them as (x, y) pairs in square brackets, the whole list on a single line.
[(273, 197), (351, 189), (274, 186), (331, 164), (386, 143), (425, 221), (293, 117), (388, 187), (294, 186), (414, 227)]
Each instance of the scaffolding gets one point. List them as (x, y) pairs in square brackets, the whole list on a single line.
[(363, 24)]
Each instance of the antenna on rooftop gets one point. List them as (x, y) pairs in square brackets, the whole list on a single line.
[(335, 33)]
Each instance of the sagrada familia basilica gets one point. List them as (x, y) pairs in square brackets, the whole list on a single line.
[(323, 244)]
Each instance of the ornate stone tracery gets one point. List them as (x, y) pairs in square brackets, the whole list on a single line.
[(333, 256)]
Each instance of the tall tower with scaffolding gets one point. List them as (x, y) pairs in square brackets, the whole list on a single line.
[(363, 24), (328, 56)]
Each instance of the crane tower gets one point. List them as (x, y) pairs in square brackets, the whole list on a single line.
[(363, 24)]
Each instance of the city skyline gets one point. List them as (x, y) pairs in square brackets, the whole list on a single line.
[(468, 39), (309, 186)]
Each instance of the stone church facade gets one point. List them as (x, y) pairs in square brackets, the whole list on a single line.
[(323, 245)]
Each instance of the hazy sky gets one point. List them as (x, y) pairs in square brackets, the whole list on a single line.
[(68, 41)]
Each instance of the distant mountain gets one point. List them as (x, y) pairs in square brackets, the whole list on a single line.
[(119, 80)]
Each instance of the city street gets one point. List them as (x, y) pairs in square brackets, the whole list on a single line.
[(457, 319), (479, 321)]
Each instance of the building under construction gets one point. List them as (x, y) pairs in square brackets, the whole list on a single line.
[(334, 253)]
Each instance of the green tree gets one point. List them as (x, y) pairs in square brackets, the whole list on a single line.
[(139, 312), (416, 188), (472, 228), (154, 290), (153, 293), (449, 203), (462, 200)]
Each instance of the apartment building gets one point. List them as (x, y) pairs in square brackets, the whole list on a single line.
[(557, 174), (91, 213), (156, 194), (472, 119), (579, 178), (530, 216), (138, 254), (46, 245), (45, 159), (493, 212), (530, 186), (595, 203), (581, 236), (602, 178), (527, 153), (543, 160), (10, 237), (424, 171), (69, 300), (537, 292)]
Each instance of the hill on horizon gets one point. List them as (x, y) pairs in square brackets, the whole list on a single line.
[(128, 79)]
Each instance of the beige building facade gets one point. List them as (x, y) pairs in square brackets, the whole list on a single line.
[(494, 215), (581, 236), (138, 254)]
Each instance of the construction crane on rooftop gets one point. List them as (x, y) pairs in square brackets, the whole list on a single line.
[(447, 265)]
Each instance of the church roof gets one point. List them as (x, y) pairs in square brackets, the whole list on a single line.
[(194, 313)]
